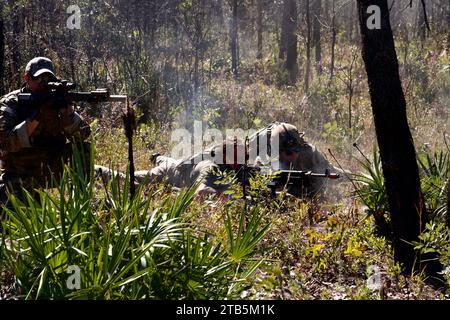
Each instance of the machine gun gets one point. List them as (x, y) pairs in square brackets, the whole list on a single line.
[(285, 178), (61, 94), (282, 178)]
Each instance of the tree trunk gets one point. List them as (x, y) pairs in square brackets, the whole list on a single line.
[(218, 11), (234, 37), (422, 29), (394, 138), (448, 203), (282, 36), (326, 10), (445, 16), (317, 10), (308, 47), (196, 76), (350, 21), (259, 27), (333, 39), (288, 31), (15, 78), (2, 51)]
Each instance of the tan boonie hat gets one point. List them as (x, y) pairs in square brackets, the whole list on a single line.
[(40, 65), (289, 137)]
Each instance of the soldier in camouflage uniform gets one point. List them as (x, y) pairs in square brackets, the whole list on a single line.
[(295, 154), (204, 170), (183, 173), (35, 140)]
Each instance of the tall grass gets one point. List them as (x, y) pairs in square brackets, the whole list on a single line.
[(140, 248), (435, 172)]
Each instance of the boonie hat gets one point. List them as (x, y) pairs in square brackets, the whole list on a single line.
[(289, 137)]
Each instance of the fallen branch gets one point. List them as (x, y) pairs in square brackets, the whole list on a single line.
[(129, 122)]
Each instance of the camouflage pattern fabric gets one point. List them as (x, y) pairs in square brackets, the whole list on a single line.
[(167, 170), (175, 173), (33, 160), (184, 173), (309, 157), (205, 172), (180, 174)]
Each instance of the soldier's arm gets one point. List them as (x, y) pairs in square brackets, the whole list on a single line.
[(14, 135), (310, 158), (320, 161), (74, 125), (155, 175), (206, 174)]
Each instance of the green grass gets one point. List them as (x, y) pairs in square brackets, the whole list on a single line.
[(140, 248)]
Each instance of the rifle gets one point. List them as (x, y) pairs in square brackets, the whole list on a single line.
[(285, 178), (282, 178), (61, 93)]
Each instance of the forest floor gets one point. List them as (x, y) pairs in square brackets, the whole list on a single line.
[(328, 250), (325, 250)]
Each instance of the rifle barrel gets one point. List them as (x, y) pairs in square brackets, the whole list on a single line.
[(97, 96), (294, 174), (118, 98)]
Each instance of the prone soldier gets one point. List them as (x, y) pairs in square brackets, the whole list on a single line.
[(294, 153), (183, 173), (306, 165)]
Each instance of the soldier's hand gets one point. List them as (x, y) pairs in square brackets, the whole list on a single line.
[(67, 115), (46, 113), (49, 120)]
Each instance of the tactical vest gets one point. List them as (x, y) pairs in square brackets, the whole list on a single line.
[(46, 146)]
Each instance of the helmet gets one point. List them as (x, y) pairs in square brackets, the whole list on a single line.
[(290, 139)]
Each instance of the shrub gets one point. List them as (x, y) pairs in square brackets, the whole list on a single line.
[(140, 248)]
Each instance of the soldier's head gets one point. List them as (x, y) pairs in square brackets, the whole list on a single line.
[(289, 141), (38, 72)]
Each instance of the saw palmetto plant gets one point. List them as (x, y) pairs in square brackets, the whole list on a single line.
[(124, 248)]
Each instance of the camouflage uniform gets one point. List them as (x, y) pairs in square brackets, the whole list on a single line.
[(169, 170), (178, 173), (206, 172), (285, 136), (183, 174), (30, 161), (309, 157)]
